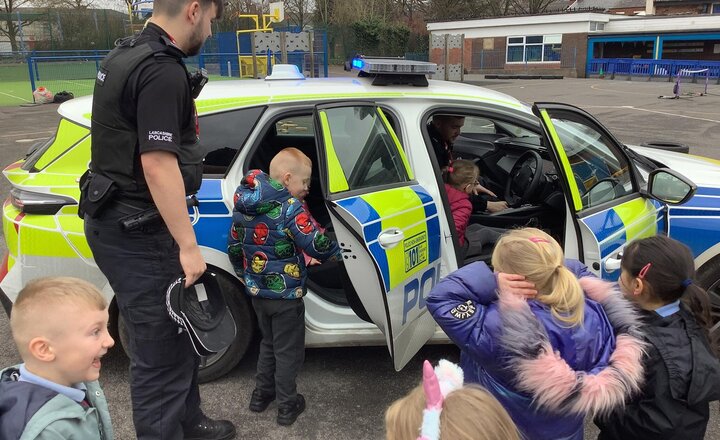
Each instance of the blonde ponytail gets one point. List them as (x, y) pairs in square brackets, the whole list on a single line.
[(566, 299), (539, 258)]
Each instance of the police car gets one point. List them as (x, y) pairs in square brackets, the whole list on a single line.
[(377, 188)]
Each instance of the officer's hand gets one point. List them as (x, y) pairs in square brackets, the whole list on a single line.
[(193, 264), (496, 206), (516, 285)]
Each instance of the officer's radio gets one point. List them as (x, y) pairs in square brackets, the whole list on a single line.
[(197, 82)]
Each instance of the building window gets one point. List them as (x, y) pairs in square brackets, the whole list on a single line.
[(534, 49), (597, 26), (715, 8)]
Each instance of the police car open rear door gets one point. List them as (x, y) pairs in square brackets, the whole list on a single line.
[(601, 184), (385, 222)]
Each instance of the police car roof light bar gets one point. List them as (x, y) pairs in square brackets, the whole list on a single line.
[(394, 70)]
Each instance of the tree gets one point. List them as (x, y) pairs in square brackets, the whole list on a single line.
[(298, 12), (531, 6), (67, 4), (11, 22)]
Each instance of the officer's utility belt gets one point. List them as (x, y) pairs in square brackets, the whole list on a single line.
[(96, 193)]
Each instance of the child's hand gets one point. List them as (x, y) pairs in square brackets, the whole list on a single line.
[(479, 189), (516, 284)]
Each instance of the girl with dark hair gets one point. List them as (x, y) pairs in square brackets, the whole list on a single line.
[(682, 369)]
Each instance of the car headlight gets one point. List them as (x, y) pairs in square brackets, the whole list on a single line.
[(38, 203)]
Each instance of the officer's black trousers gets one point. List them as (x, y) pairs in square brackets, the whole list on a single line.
[(163, 370), (282, 349)]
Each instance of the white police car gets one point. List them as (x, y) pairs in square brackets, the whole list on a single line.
[(377, 187)]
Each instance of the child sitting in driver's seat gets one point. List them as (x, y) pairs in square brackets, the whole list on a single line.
[(462, 180)]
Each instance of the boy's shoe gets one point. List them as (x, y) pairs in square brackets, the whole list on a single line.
[(288, 413), (209, 429), (259, 401)]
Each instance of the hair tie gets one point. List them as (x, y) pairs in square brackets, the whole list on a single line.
[(437, 383), (686, 282)]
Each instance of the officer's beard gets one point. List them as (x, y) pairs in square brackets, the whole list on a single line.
[(196, 42)]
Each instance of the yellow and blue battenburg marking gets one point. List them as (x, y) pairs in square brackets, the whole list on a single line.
[(697, 222), (613, 227), (410, 209)]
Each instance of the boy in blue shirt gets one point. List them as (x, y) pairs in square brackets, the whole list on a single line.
[(59, 325)]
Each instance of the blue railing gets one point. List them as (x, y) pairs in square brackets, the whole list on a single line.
[(651, 68)]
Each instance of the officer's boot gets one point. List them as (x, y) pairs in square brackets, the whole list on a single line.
[(209, 429)]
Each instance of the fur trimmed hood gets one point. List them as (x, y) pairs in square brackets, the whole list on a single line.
[(554, 385)]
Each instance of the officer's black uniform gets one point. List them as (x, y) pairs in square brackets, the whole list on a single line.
[(142, 102), (444, 155)]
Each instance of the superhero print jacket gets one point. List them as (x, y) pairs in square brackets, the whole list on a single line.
[(270, 231)]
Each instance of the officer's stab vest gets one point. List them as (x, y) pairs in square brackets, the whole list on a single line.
[(115, 138)]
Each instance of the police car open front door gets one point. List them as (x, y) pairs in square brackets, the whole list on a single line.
[(386, 224), (602, 187)]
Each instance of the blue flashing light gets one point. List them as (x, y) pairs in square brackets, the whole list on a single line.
[(357, 63)]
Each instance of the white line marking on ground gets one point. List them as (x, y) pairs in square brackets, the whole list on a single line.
[(22, 141), (630, 107), (13, 96)]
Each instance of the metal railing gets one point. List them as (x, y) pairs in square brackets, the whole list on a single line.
[(649, 68)]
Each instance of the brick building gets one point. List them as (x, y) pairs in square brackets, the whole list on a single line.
[(569, 42)]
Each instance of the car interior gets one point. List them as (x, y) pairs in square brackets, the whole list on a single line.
[(516, 165)]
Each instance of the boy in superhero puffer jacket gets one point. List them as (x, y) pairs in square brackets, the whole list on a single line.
[(270, 231)]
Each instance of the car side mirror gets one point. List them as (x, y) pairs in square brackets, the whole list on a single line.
[(670, 187)]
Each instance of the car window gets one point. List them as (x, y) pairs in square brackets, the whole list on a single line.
[(474, 125), (600, 169), (364, 147), (297, 125), (223, 134)]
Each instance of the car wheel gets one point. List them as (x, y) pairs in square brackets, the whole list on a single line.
[(217, 365), (668, 146), (708, 278)]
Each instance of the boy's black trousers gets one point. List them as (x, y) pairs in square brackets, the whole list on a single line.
[(282, 349)]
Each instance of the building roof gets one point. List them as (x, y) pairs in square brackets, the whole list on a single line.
[(607, 4)]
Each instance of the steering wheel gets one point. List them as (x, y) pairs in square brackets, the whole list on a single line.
[(524, 179)]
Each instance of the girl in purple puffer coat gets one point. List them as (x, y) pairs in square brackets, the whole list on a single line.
[(552, 357)]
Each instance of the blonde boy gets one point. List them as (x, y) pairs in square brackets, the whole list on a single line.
[(59, 325)]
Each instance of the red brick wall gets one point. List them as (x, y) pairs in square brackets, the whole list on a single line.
[(574, 51)]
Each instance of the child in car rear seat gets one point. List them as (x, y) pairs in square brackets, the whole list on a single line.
[(462, 180), (682, 370), (549, 359)]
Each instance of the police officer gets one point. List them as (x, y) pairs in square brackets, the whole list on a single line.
[(145, 155)]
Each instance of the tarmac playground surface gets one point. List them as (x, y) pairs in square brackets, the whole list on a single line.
[(348, 389)]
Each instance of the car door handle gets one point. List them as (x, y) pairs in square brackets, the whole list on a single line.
[(390, 238), (613, 264)]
